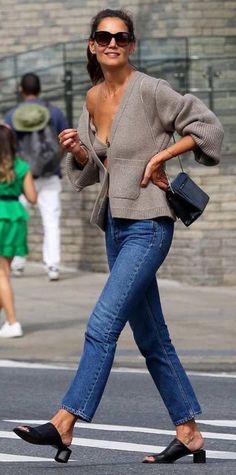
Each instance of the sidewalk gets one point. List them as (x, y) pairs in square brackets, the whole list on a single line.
[(202, 321)]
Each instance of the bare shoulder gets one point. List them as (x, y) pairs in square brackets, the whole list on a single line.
[(92, 98)]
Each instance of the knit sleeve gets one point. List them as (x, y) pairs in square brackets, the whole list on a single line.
[(188, 115), (80, 178), (89, 174)]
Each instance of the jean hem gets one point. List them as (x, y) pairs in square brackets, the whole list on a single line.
[(187, 418), (80, 414)]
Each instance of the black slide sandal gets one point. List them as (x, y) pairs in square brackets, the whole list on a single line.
[(45, 434), (175, 451)]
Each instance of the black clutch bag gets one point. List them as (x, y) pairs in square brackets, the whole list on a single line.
[(186, 198)]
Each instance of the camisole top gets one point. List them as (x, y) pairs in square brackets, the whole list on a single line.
[(100, 148)]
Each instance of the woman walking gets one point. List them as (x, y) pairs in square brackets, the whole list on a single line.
[(123, 141), (15, 179)]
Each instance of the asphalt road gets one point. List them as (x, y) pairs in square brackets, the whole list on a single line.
[(130, 422)]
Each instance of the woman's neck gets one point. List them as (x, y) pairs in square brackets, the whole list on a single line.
[(115, 80)]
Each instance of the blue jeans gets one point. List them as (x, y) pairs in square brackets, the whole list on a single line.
[(135, 250)]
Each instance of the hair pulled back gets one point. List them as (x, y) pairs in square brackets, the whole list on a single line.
[(93, 66), (7, 154)]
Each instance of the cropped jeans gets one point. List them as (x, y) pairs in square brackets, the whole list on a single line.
[(135, 249)]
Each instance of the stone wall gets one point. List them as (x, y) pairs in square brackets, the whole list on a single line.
[(204, 253), (26, 24)]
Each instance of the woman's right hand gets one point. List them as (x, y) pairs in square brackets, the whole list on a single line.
[(69, 140)]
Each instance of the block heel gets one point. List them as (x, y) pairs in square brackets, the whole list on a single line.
[(63, 454), (45, 434), (199, 456)]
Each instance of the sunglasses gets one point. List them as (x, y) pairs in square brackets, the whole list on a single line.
[(103, 38)]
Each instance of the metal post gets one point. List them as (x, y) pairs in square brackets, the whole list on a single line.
[(15, 67), (180, 75), (210, 75), (68, 81), (187, 65)]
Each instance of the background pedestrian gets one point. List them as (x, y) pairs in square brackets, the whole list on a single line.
[(36, 124), (15, 179)]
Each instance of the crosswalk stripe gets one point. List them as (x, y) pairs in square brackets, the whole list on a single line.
[(146, 430), (26, 365), (218, 423), (22, 458), (190, 373), (211, 375), (130, 447), (4, 434), (118, 428)]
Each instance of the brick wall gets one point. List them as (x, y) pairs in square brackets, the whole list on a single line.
[(204, 253)]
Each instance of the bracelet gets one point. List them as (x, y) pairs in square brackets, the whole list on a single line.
[(85, 159), (85, 150)]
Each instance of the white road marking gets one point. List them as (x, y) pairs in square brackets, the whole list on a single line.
[(117, 428), (147, 430), (190, 373), (219, 423), (113, 445), (8, 435), (212, 375), (131, 447), (22, 458), (22, 364)]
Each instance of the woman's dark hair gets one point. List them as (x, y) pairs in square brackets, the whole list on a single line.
[(93, 67), (7, 154)]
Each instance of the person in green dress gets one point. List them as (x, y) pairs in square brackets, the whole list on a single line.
[(15, 179)]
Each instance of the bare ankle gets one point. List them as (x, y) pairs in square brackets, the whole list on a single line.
[(64, 420), (189, 435)]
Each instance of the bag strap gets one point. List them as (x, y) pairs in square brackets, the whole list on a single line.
[(180, 164), (179, 157)]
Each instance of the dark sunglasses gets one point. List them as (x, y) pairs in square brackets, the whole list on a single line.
[(103, 38)]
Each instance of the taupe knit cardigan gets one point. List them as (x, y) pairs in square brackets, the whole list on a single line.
[(148, 115)]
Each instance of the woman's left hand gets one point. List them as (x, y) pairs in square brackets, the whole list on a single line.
[(155, 172)]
